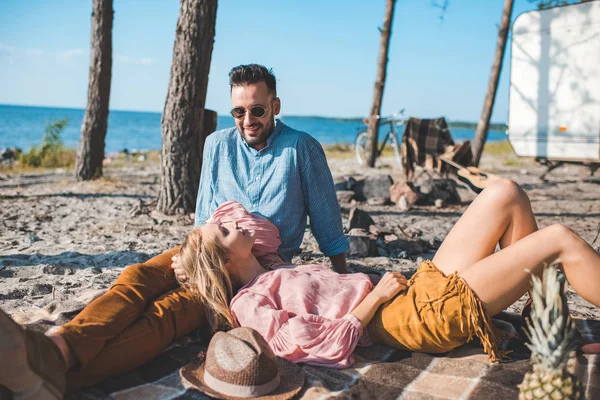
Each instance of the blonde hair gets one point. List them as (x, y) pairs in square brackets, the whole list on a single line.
[(203, 262)]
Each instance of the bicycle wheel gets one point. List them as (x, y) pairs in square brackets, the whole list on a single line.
[(360, 147)]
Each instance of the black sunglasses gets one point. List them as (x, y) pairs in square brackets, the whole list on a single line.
[(257, 111)]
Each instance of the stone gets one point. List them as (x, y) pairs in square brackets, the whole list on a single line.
[(426, 188), (362, 243), (406, 189), (446, 190), (57, 270), (439, 203), (340, 184), (374, 186), (31, 238), (376, 201), (343, 183), (434, 243), (359, 219), (359, 245), (382, 252), (403, 203), (390, 238), (358, 232), (39, 289), (344, 196)]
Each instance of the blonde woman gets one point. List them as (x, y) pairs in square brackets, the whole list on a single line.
[(134, 321), (310, 314)]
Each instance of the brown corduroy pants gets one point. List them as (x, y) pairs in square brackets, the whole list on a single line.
[(133, 322)]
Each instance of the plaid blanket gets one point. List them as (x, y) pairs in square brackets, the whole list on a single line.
[(379, 372), (422, 143)]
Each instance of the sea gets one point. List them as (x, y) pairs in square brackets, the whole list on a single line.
[(23, 127)]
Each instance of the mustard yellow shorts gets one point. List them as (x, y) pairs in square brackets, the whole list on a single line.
[(436, 314)]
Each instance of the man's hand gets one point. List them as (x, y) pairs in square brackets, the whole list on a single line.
[(176, 265), (390, 285), (338, 262)]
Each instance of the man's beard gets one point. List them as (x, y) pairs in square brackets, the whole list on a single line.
[(264, 133)]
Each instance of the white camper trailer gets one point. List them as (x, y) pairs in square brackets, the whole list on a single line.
[(554, 103)]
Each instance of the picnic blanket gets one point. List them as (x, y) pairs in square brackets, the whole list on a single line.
[(423, 141), (379, 372)]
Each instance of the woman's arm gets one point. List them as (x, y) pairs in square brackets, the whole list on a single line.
[(390, 285)]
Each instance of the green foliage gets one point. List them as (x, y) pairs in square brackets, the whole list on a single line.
[(52, 153)]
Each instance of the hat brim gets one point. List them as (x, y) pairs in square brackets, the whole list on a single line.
[(292, 379)]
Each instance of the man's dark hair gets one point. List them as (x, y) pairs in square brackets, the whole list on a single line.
[(250, 74)]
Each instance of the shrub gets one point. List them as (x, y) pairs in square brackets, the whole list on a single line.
[(52, 153)]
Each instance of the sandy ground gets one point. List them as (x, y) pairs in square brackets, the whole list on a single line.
[(61, 240)]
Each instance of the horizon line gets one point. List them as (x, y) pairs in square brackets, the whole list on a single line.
[(220, 115)]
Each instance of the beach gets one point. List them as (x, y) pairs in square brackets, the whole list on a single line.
[(61, 238), (62, 244)]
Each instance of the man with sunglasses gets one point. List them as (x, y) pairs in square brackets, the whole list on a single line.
[(271, 169), (268, 167)]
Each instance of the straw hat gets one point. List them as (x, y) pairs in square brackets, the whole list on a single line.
[(239, 364)]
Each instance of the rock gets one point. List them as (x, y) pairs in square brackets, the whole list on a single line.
[(382, 252), (426, 188), (9, 156), (95, 270), (39, 289), (434, 243), (351, 183), (390, 238), (374, 186), (376, 201), (445, 189), (433, 189), (374, 232), (340, 184), (358, 232), (344, 196), (439, 203), (31, 238), (344, 183), (359, 219), (406, 189), (359, 245), (57, 270), (403, 203)]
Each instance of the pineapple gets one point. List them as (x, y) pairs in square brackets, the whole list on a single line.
[(551, 335)]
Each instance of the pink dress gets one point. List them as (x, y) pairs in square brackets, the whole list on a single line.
[(303, 312)]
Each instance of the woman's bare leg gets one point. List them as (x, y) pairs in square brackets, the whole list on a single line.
[(501, 214), (501, 278)]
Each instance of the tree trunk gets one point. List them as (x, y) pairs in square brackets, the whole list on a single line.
[(183, 127), (373, 129), (95, 121), (488, 104)]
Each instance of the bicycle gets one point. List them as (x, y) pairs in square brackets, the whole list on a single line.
[(360, 144)]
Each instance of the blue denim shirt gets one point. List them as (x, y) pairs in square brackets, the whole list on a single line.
[(286, 181)]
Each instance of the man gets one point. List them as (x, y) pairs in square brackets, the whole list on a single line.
[(271, 169)]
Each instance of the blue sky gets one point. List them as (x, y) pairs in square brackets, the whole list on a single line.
[(324, 54)]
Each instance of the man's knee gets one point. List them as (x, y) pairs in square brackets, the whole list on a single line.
[(156, 271)]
